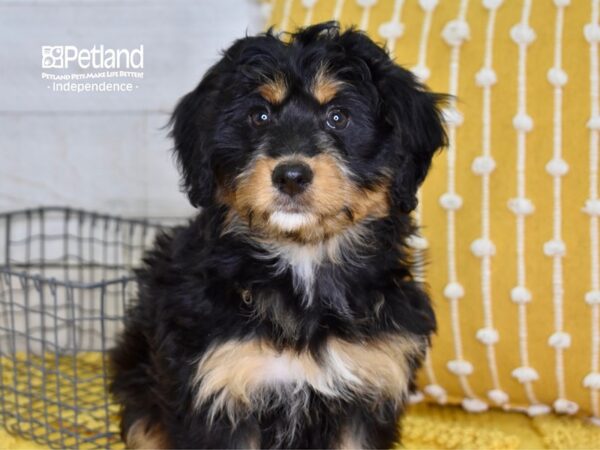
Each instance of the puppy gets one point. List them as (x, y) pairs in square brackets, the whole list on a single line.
[(285, 313)]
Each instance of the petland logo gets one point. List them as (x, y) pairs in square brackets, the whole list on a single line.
[(63, 56), (70, 68)]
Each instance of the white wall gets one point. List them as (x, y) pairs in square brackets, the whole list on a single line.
[(104, 151)]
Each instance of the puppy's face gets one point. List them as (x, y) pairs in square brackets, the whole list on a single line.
[(303, 138)]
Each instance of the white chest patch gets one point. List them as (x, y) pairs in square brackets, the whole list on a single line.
[(282, 369), (250, 373), (303, 261)]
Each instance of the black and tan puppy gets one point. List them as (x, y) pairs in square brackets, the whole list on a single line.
[(285, 314)]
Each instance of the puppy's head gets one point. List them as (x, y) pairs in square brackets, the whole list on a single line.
[(302, 138)]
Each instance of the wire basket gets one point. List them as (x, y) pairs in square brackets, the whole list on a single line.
[(65, 282)]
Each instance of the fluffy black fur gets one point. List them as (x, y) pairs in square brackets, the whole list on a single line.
[(195, 283)]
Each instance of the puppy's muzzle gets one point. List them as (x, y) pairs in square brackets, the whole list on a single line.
[(292, 178)]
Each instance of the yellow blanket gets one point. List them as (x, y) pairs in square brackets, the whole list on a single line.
[(40, 390), (434, 427)]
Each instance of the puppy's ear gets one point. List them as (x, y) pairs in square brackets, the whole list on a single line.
[(192, 125), (417, 130), (412, 112)]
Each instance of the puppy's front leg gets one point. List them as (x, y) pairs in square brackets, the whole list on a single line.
[(219, 432), (368, 427), (143, 434)]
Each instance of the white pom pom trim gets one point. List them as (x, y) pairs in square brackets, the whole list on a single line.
[(366, 3), (450, 201), (391, 30), (428, 5), (557, 167), (592, 32), (525, 374), (435, 391), (454, 291), (486, 77), (422, 72), (594, 421), (460, 367), (555, 247), (522, 206), (522, 33), (557, 77), (474, 405), (453, 117), (492, 4), (562, 3), (417, 242), (483, 247), (592, 207), (538, 410), (309, 3), (497, 396), (416, 397), (564, 406), (592, 298), (487, 336), (456, 32), (592, 380), (559, 339), (594, 123), (483, 165), (523, 122), (520, 295)]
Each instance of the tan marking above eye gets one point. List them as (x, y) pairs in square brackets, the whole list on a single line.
[(325, 86), (274, 91)]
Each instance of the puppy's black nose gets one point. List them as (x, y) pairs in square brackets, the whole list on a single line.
[(292, 178)]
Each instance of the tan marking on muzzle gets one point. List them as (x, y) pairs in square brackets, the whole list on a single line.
[(333, 199), (254, 191), (334, 194)]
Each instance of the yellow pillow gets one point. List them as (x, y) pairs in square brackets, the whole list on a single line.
[(510, 210)]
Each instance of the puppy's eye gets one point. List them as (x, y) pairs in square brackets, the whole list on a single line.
[(337, 119), (260, 117)]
